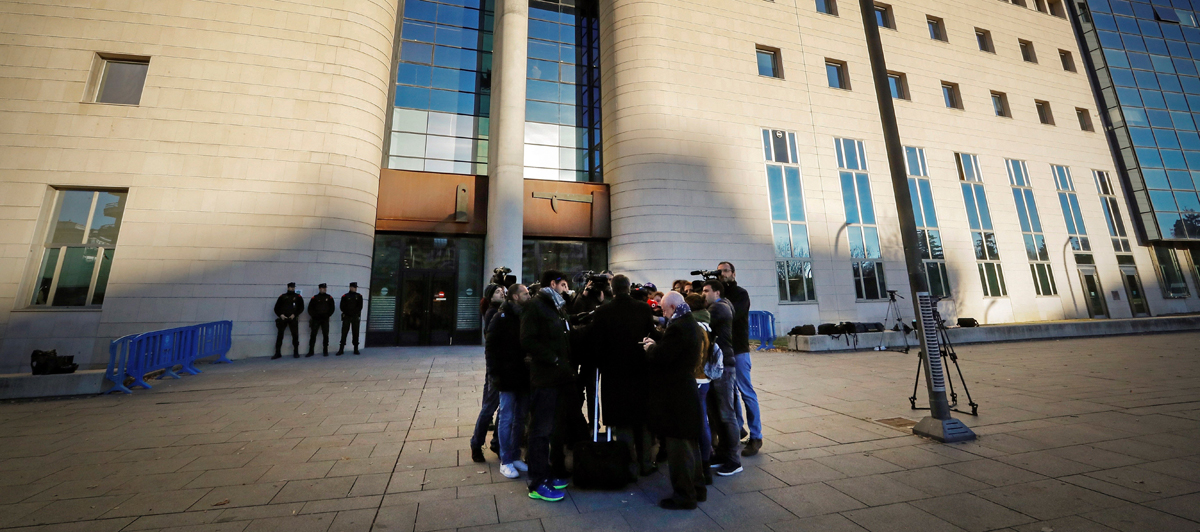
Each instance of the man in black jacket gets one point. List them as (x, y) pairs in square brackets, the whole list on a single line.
[(616, 333), (546, 338), (320, 308), (510, 378), (288, 307), (726, 457), (674, 407), (740, 300), (351, 307)]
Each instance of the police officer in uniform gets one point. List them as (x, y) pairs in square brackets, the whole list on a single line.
[(351, 307), (320, 309), (287, 311)]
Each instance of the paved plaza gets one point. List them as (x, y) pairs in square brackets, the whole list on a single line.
[(1076, 435)]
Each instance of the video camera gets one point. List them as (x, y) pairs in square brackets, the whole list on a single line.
[(600, 281), (501, 277)]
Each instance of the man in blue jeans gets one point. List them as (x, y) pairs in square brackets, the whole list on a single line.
[(546, 337), (725, 457), (510, 377), (740, 299)]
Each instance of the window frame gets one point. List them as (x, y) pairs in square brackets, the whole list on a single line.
[(899, 89), (854, 168), (953, 98), (1032, 229), (1044, 112), (830, 7), (789, 174), (1028, 54), (983, 39), (1068, 60), (1085, 119), (1068, 201), (103, 254), (1111, 208), (98, 77), (932, 258), (979, 222), (1004, 111), (776, 61), (1162, 276), (843, 73), (937, 28), (888, 16)]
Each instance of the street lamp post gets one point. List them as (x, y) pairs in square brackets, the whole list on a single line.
[(939, 424)]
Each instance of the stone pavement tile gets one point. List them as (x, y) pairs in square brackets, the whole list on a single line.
[(902, 517), (972, 513), (432, 433), (146, 455), (341, 453), (801, 454), (937, 481), (359, 428), (77, 489), (606, 521), (155, 522), (250, 513), (456, 513), (877, 490), (236, 496), (362, 466), (160, 502), (313, 490), (1185, 506), (271, 446), (1137, 518), (1137, 477), (750, 479), (455, 444), (993, 472), (219, 461), (1046, 463), (1094, 456), (370, 485), (106, 525), (802, 471), (596, 501), (951, 451), (292, 523), (10, 513), (732, 511), (820, 523), (150, 483), (1178, 467), (1065, 524), (406, 480), (856, 465), (532, 525), (340, 440), (419, 496), (340, 505), (1048, 499), (1010, 444), (653, 518), (293, 456), (457, 476), (354, 520), (1110, 489), (425, 460), (813, 499), (851, 434), (912, 456), (517, 506), (228, 477), (307, 470), (71, 510), (796, 440), (1141, 449)]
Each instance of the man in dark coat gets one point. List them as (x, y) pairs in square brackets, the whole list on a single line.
[(546, 337), (320, 309), (727, 458), (674, 408), (740, 299), (616, 333), (288, 307), (351, 307), (510, 378)]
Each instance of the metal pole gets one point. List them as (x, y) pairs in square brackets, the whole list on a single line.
[(939, 425)]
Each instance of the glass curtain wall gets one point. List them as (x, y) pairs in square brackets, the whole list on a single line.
[(562, 108), (443, 87)]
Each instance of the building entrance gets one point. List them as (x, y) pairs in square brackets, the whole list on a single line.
[(1093, 295), (1133, 290), (424, 290)]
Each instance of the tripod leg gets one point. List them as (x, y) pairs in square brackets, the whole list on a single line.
[(954, 358), (917, 380)]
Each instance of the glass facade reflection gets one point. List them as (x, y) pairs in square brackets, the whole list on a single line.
[(1145, 58)]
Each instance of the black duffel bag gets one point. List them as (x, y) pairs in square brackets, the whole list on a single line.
[(803, 330), (49, 363), (827, 328), (605, 465)]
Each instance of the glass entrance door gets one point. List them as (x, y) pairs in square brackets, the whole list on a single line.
[(1133, 289), (426, 312), (1093, 295), (425, 290)]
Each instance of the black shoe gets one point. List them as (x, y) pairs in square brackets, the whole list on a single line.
[(728, 470), (325, 351), (477, 454), (708, 476), (495, 446), (661, 456), (309, 354), (296, 355), (326, 354), (702, 495), (648, 470), (276, 355), (356, 350), (743, 434), (341, 351), (672, 504), (752, 447)]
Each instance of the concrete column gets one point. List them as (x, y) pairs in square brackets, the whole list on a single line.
[(506, 158)]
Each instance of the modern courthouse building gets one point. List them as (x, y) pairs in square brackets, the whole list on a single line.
[(168, 163)]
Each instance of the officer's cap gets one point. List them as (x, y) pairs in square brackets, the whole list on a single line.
[(353, 285), (291, 285), (322, 285)]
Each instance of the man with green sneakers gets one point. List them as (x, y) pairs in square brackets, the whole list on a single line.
[(546, 337)]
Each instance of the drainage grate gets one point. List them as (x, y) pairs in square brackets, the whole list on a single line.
[(897, 422)]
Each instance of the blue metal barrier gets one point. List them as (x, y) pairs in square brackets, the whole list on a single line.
[(762, 328), (136, 355)]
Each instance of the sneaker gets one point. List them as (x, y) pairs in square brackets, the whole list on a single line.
[(477, 454), (559, 483), (546, 493), (509, 471), (728, 470), (752, 447), (716, 463), (521, 466)]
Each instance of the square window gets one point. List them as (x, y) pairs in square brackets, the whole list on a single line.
[(1044, 114), (117, 79), (1027, 51), (77, 253), (1000, 104), (984, 39), (1019, 3), (1041, 6), (1057, 9), (768, 63), (937, 28), (951, 95), (1085, 119), (835, 71), (883, 16), (829, 7), (1068, 62), (898, 84)]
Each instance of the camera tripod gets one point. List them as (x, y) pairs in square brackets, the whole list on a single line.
[(947, 350), (893, 313)]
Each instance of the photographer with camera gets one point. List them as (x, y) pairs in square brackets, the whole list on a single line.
[(726, 457), (740, 299)]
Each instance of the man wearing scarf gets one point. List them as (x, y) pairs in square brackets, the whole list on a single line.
[(546, 337), (674, 409)]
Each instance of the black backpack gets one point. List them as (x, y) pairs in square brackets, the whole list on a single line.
[(49, 363)]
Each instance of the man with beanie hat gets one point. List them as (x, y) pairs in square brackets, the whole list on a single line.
[(288, 307)]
